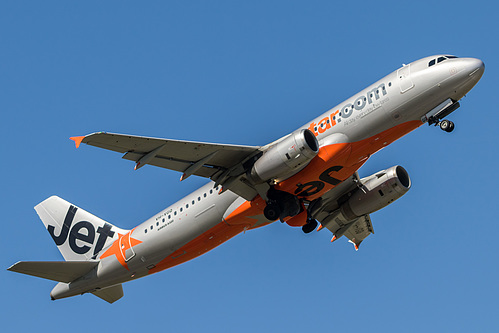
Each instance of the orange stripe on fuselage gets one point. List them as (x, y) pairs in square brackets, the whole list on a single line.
[(337, 162), (348, 156), (200, 245)]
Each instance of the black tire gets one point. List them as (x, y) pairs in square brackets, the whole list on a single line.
[(272, 212), (444, 125), (310, 226), (451, 127)]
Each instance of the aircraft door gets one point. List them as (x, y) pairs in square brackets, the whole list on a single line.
[(404, 78), (126, 249)]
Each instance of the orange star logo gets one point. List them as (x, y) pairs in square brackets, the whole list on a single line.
[(119, 247)]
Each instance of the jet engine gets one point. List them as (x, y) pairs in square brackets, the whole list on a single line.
[(377, 191), (286, 157)]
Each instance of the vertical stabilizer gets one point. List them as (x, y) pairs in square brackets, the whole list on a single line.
[(78, 234)]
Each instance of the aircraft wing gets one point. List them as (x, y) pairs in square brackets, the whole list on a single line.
[(328, 214), (219, 162), (356, 231)]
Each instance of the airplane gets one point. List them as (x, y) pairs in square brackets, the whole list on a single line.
[(305, 178)]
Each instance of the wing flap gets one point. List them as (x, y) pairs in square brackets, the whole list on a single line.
[(360, 229), (170, 163), (355, 230), (61, 271)]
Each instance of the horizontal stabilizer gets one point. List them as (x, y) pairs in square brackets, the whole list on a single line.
[(61, 271), (111, 294)]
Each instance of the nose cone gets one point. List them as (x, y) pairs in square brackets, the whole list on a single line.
[(476, 67), (468, 77)]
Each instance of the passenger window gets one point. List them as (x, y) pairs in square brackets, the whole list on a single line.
[(175, 213), (193, 202), (204, 195), (199, 198), (157, 224), (181, 209)]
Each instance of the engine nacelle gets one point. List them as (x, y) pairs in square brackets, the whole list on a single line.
[(377, 191), (291, 154)]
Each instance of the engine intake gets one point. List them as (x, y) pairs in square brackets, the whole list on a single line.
[(286, 157), (377, 191)]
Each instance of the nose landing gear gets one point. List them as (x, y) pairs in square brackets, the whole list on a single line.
[(446, 125), (437, 115)]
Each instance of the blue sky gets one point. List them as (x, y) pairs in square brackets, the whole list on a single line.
[(247, 73)]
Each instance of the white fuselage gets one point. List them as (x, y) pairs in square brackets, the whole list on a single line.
[(405, 95)]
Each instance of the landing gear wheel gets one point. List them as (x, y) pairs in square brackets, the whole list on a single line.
[(310, 226), (272, 212), (451, 127), (446, 125)]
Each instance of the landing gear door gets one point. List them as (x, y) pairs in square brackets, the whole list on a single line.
[(404, 78)]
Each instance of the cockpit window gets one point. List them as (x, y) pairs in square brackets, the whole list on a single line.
[(439, 60)]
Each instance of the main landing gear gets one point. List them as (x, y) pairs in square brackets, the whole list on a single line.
[(309, 226), (272, 211), (281, 204)]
